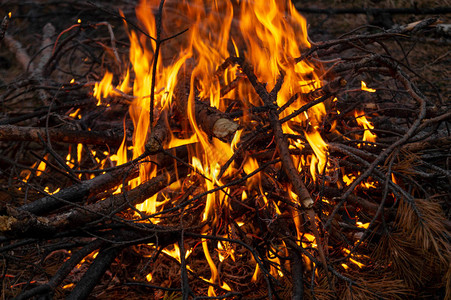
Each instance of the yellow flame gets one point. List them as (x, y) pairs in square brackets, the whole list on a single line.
[(367, 89), (368, 136), (41, 166), (70, 161), (214, 271), (348, 179), (271, 35), (220, 252), (236, 139), (272, 41), (225, 251), (368, 184), (103, 88), (175, 252), (319, 147), (362, 225), (393, 178), (124, 86), (274, 269), (75, 113), (359, 264), (90, 256), (149, 277), (250, 166), (79, 151)]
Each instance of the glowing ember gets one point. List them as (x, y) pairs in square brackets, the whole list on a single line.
[(68, 286)]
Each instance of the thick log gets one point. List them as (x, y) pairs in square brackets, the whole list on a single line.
[(33, 134), (20, 224), (442, 142), (79, 192), (297, 271), (92, 276)]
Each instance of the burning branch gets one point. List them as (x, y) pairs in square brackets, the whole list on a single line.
[(257, 165)]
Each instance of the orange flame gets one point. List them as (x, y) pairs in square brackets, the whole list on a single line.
[(270, 35), (269, 38)]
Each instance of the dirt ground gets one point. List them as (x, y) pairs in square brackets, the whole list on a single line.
[(428, 55)]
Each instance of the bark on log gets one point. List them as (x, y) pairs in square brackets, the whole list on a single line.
[(211, 120), (3, 27), (19, 224), (18, 133), (297, 271), (78, 192), (92, 276), (443, 142)]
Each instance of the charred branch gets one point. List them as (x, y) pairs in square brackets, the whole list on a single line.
[(92, 276), (18, 133)]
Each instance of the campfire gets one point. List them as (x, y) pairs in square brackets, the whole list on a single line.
[(218, 152)]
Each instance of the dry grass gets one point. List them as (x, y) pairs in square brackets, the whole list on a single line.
[(417, 251)]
